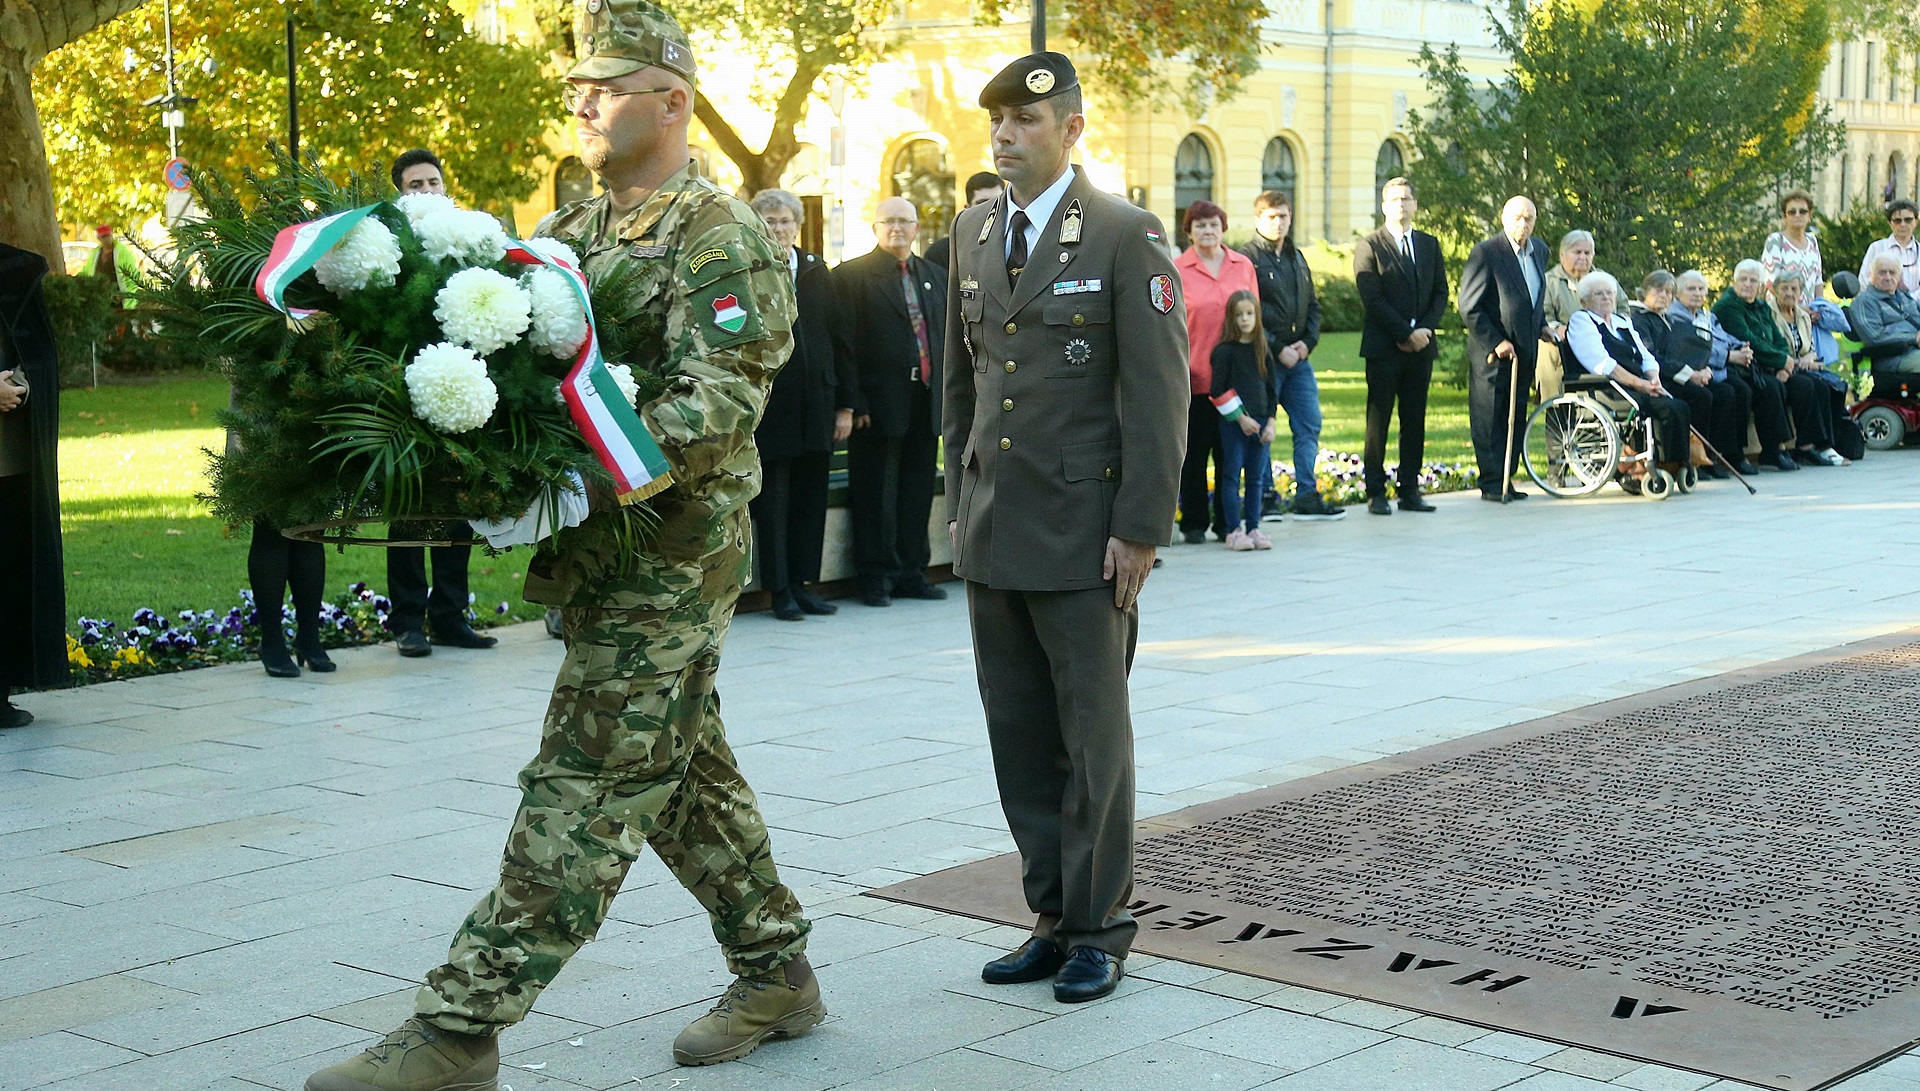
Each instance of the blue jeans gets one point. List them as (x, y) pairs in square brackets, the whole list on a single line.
[(1299, 394), (1243, 458)]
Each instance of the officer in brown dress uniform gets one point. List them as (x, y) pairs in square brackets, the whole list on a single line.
[(1055, 510)]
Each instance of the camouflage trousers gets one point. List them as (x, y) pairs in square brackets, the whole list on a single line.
[(632, 753)]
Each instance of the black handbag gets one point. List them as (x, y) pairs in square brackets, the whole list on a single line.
[(1848, 439)]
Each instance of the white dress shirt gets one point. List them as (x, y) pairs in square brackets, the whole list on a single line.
[(1039, 210), (1584, 338)]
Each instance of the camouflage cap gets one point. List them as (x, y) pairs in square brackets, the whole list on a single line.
[(620, 36)]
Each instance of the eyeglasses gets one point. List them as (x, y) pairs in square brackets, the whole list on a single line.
[(1799, 211), (574, 94), (896, 223), (1903, 219)]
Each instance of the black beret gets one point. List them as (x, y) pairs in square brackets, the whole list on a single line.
[(1030, 79)]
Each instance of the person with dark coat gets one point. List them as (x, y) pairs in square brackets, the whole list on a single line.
[(1715, 409), (809, 413), (1602, 341), (1402, 280), (1748, 318), (983, 188), (892, 328), (1503, 303), (33, 590), (1290, 316)]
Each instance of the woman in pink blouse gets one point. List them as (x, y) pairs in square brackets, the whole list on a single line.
[(1795, 247), (1209, 275)]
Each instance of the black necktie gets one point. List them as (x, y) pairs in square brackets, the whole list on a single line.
[(1017, 257), (1406, 246)]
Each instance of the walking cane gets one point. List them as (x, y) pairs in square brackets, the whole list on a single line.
[(1513, 402), (1751, 491)]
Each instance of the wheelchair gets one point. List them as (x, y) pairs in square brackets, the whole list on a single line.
[(1593, 434), (1891, 412)]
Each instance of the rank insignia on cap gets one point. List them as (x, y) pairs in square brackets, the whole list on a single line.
[(728, 314), (1040, 81), (1070, 222), (1160, 293)]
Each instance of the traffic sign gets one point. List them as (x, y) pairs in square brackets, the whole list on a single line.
[(175, 172)]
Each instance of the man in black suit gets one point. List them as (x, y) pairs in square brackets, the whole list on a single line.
[(809, 413), (982, 189), (892, 307), (1403, 287), (1503, 303)]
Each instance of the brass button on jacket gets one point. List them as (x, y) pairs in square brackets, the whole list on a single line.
[(1010, 367), (1013, 327), (1007, 405), (1079, 319), (1006, 445)]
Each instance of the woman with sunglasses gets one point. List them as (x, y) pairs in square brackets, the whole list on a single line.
[(1901, 246), (1795, 246)]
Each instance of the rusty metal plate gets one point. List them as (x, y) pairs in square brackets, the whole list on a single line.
[(1721, 876)]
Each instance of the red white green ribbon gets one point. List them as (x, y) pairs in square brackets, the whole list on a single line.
[(295, 250), (1229, 405), (611, 427)]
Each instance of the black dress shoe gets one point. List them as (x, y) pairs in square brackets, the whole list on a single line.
[(1412, 502), (1717, 472), (1377, 505), (874, 596), (1035, 960), (1193, 537), (12, 715), (1784, 462), (308, 653), (1089, 974), (413, 644), (1516, 494), (919, 589), (785, 609), (1746, 467), (465, 637), (1490, 497), (274, 657), (804, 598)]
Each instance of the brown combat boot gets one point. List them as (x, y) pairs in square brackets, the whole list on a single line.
[(782, 1004), (417, 1057)]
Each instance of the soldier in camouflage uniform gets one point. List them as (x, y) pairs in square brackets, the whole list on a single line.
[(633, 752)]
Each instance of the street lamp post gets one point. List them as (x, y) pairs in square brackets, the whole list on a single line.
[(173, 104), (293, 96), (1039, 26)]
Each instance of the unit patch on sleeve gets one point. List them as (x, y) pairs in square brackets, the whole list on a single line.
[(706, 258), (728, 314), (1160, 293)]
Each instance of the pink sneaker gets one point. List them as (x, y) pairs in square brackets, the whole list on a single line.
[(1238, 541), (1259, 539)]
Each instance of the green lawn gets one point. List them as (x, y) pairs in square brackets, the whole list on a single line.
[(132, 458)]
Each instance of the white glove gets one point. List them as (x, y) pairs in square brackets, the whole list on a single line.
[(535, 524)]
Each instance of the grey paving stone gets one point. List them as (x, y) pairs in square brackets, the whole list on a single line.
[(1406, 1063), (1441, 1032), (1515, 1047), (1655, 1077), (48, 1058), (1104, 1028), (1561, 1081), (1158, 1066), (69, 1006), (956, 1069), (201, 1065), (1587, 1062), (1284, 1041)]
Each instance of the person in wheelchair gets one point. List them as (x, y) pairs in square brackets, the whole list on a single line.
[(1815, 402), (1603, 342), (1685, 355), (1887, 321)]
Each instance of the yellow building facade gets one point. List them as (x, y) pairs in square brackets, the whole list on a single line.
[(1881, 108), (1324, 118)]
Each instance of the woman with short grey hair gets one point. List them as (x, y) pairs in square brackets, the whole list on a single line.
[(767, 200), (1559, 302), (1747, 316), (1601, 341)]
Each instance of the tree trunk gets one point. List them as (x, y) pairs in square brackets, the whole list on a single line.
[(29, 30), (762, 170)]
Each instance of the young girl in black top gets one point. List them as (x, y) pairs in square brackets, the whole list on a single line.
[(1243, 392)]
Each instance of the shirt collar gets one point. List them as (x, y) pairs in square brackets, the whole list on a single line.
[(1040, 210)]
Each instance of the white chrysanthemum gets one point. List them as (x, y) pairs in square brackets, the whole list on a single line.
[(623, 378), (559, 322), (482, 309), (457, 234), (450, 389), (368, 257), (418, 206), (552, 248)]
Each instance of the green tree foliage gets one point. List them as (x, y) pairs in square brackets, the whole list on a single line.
[(1132, 43), (375, 78), (1663, 128), (1895, 22)]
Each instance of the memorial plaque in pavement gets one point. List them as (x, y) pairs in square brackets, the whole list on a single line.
[(1722, 876)]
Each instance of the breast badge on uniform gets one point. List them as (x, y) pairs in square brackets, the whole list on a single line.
[(1078, 351), (968, 287), (1160, 293)]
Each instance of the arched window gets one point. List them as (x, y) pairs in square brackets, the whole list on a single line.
[(1388, 163), (1192, 180), (572, 181), (1277, 171), (1896, 171), (921, 175)]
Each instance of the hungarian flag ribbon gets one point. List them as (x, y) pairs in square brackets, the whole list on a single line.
[(1229, 405), (611, 426), (295, 250)]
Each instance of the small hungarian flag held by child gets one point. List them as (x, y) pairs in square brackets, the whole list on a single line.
[(728, 314)]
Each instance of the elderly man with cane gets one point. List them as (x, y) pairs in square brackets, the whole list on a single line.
[(1502, 302)]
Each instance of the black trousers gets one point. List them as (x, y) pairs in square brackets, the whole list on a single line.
[(1488, 385), (890, 498), (1198, 508), (277, 564), (1052, 668), (1401, 378), (790, 520), (444, 603), (1719, 412), (1671, 423), (1812, 409), (1769, 406)]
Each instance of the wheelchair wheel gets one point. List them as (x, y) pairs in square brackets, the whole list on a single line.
[(1657, 485), (1571, 447), (1687, 479), (1882, 427)]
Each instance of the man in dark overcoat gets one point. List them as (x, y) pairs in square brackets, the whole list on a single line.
[(1503, 303), (1068, 322), (1402, 281), (33, 597)]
